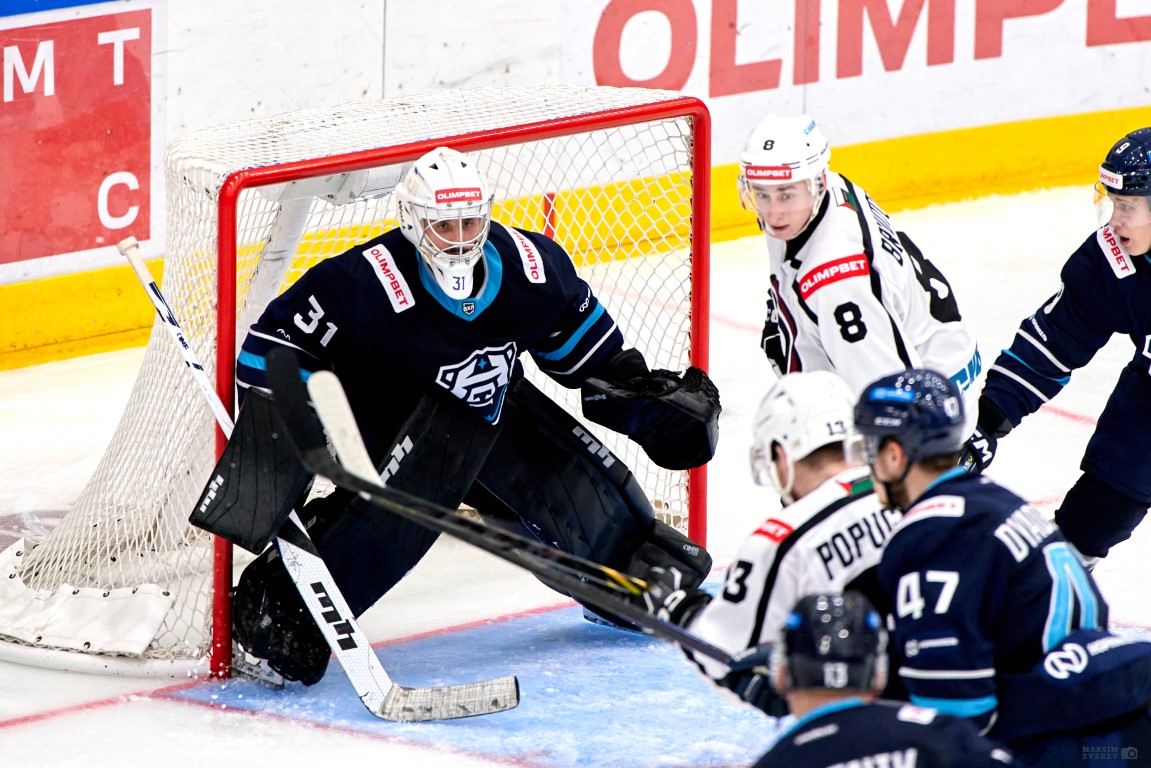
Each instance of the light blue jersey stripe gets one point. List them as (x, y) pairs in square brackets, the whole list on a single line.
[(958, 707), (259, 363), (576, 337)]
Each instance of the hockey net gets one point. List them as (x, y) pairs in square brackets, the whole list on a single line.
[(619, 177)]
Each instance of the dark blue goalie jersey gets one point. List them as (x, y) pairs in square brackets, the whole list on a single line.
[(982, 584), (1103, 291), (883, 733), (375, 316)]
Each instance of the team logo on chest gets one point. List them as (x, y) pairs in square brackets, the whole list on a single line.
[(480, 379)]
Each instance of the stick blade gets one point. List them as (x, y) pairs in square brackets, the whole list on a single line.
[(405, 704)]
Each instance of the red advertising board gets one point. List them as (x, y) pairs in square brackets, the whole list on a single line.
[(75, 134)]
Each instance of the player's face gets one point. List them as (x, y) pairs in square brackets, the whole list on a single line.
[(455, 236), (888, 464), (1129, 217), (784, 208)]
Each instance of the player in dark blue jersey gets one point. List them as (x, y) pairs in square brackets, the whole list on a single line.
[(995, 616), (1104, 289), (425, 326), (831, 667)]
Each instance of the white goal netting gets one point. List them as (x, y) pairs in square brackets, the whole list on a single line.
[(614, 175)]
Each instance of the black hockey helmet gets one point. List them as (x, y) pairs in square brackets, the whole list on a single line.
[(1127, 168), (834, 641), (920, 408)]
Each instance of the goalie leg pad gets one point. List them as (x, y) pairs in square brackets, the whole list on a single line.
[(550, 473), (436, 456), (566, 487), (665, 551), (668, 548)]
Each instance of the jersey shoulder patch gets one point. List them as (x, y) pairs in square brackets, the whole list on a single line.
[(1117, 258), (384, 267), (530, 256)]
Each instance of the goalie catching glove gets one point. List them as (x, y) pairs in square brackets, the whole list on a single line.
[(675, 419)]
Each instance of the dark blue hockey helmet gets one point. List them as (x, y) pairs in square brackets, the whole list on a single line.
[(834, 641), (1127, 168), (919, 408)]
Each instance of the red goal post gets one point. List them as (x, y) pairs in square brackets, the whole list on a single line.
[(619, 176)]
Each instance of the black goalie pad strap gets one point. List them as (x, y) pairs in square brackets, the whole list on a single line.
[(256, 482), (674, 419)]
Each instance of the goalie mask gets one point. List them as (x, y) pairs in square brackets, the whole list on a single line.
[(783, 170), (800, 413), (445, 210)]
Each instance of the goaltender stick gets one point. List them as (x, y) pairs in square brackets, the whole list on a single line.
[(425, 325)]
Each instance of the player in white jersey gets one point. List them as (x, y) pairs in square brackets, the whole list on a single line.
[(849, 293), (827, 537)]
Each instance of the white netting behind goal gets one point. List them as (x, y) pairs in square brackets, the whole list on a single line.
[(612, 174)]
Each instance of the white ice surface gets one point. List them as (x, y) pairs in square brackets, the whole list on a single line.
[(1002, 256)]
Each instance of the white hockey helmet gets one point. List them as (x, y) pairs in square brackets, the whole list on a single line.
[(800, 413), (784, 150), (445, 210)]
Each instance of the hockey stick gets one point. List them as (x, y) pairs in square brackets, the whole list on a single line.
[(581, 579), (130, 249), (383, 697)]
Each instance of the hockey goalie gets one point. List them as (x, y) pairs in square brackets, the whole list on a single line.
[(425, 325)]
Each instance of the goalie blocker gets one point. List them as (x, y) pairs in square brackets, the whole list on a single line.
[(532, 472)]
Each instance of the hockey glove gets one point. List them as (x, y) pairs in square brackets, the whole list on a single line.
[(980, 448), (674, 419), (773, 341), (668, 599), (978, 452), (750, 678)]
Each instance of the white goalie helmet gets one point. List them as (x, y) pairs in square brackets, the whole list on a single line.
[(445, 210), (784, 150), (801, 413)]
